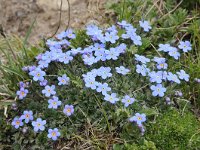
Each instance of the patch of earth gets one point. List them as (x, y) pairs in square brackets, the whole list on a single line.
[(16, 16)]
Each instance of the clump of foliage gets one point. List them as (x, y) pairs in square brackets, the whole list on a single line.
[(97, 88), (173, 129)]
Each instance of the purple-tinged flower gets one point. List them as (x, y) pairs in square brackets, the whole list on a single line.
[(49, 90), (127, 100), (53, 134), (183, 75), (24, 130), (142, 69), (68, 110), (197, 80), (43, 83), (158, 90), (138, 118), (185, 46), (111, 98), (17, 122), (31, 68), (14, 106), (26, 68), (111, 37), (168, 101), (174, 53), (64, 80), (173, 77), (141, 59), (37, 74), (22, 93), (104, 88), (122, 70), (178, 93), (39, 124), (54, 102), (145, 25), (112, 54), (27, 116), (104, 72)]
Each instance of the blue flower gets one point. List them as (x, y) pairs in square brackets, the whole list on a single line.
[(70, 34), (123, 23), (156, 76), (17, 122), (158, 90), (53, 134), (137, 40), (91, 83), (185, 46), (112, 54), (142, 69), (164, 47), (104, 72), (65, 58), (68, 110), (111, 98), (138, 118), (121, 48), (183, 75), (111, 37), (174, 53), (37, 74), (61, 35), (141, 59), (160, 63), (173, 77), (43, 83), (39, 124), (22, 93), (104, 88), (49, 90), (27, 116), (127, 100), (122, 70), (54, 102), (100, 55), (64, 80), (145, 25)]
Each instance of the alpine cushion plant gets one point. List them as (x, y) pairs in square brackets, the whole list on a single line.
[(68, 76)]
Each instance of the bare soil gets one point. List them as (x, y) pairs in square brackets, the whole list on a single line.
[(16, 16)]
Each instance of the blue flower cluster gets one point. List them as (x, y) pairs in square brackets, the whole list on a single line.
[(103, 48), (159, 75)]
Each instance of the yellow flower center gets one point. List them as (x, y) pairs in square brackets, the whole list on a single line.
[(53, 133), (17, 122), (38, 74), (68, 110), (27, 115), (139, 118), (22, 93)]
